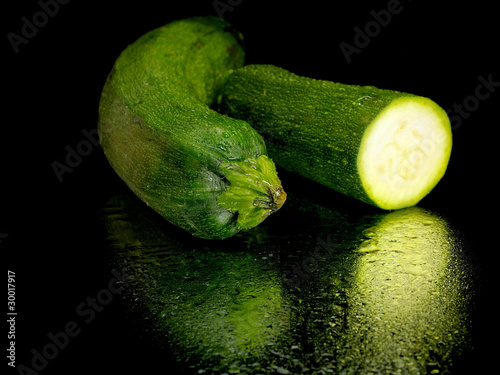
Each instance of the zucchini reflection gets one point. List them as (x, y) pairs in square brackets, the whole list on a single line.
[(393, 297), (408, 308), (208, 303)]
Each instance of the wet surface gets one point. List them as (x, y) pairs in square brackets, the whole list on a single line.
[(314, 290)]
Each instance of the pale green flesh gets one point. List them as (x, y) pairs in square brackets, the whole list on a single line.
[(404, 152)]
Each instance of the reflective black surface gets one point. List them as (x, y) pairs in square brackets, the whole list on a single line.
[(316, 289)]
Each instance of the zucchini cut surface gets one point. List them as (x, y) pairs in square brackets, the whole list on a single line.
[(404, 152)]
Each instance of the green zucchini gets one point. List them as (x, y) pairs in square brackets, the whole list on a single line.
[(383, 147), (204, 172)]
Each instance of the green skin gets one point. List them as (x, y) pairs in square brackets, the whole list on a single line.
[(314, 133), (186, 161)]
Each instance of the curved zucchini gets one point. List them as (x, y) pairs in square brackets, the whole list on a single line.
[(202, 171), (383, 147)]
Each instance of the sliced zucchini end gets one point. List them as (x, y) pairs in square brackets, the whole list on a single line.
[(404, 152)]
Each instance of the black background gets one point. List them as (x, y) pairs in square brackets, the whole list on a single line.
[(52, 90)]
